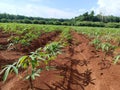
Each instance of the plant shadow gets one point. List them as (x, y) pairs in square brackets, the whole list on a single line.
[(73, 79)]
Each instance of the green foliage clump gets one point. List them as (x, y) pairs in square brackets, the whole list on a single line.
[(107, 47), (96, 43)]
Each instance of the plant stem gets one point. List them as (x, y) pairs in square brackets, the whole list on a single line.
[(31, 84)]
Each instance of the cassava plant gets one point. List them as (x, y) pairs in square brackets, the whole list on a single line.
[(107, 47), (96, 43), (9, 69), (66, 35), (31, 62)]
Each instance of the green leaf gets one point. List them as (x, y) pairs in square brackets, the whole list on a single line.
[(37, 75), (32, 57), (39, 70), (15, 69), (33, 76), (6, 73), (117, 58), (28, 77), (25, 65), (21, 60), (3, 70)]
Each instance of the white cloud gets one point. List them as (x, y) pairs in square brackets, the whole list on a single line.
[(108, 7), (38, 11)]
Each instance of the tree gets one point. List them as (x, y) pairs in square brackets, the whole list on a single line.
[(86, 16), (27, 21), (91, 16)]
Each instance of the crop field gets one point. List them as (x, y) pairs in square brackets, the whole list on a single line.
[(49, 57)]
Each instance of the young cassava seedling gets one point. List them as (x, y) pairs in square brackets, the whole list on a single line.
[(32, 62)]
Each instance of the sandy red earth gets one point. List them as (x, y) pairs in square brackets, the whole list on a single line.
[(79, 67)]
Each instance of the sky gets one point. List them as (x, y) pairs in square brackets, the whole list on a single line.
[(59, 8)]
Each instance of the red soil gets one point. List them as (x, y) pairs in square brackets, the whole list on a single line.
[(8, 56), (39, 42), (80, 67)]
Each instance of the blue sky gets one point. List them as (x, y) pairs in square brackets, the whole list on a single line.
[(59, 8)]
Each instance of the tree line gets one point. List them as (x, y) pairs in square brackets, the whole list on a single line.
[(4, 18), (86, 19), (97, 18)]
